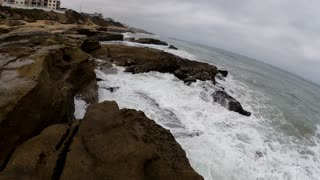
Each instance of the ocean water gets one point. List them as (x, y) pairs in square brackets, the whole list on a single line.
[(281, 140)]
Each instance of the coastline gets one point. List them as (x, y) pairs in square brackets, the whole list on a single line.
[(46, 63)]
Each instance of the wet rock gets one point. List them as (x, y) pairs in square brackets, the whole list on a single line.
[(173, 47), (142, 60), (130, 39), (151, 41), (223, 73), (90, 45), (124, 144), (259, 154), (113, 89), (229, 102), (110, 37), (190, 80)]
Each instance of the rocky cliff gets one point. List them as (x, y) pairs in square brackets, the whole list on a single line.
[(43, 67)]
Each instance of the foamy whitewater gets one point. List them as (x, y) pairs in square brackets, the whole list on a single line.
[(279, 141)]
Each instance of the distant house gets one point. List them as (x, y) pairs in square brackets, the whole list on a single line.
[(96, 15), (1, 2), (47, 4)]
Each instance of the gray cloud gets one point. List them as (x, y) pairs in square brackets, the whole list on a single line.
[(283, 33)]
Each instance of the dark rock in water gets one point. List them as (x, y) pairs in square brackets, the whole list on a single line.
[(110, 37), (124, 144), (190, 80), (223, 73), (229, 102), (259, 154), (151, 41), (90, 45), (130, 39), (142, 60), (112, 89), (173, 47)]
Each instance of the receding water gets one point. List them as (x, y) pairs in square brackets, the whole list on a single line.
[(281, 140)]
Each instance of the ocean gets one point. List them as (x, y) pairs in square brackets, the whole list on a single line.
[(280, 141)]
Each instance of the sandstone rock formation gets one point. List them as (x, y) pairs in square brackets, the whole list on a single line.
[(108, 143), (90, 45), (40, 75), (124, 144)]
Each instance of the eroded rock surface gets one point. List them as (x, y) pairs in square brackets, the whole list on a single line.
[(36, 158), (108, 143), (40, 75), (124, 144)]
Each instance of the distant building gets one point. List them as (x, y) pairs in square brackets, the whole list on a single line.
[(47, 4), (1, 2)]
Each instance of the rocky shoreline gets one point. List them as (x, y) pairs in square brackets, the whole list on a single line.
[(44, 64)]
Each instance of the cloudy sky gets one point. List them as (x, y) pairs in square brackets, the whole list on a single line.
[(284, 33)]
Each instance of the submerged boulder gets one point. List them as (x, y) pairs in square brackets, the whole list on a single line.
[(229, 102), (151, 41)]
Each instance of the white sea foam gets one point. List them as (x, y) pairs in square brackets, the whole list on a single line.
[(80, 107), (221, 145)]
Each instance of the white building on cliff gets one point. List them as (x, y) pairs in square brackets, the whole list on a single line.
[(46, 4)]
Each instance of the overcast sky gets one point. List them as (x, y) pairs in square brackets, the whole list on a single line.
[(284, 33)]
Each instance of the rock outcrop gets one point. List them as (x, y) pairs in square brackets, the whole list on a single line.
[(229, 102), (173, 47), (40, 75), (99, 35), (124, 144), (108, 143), (90, 45), (141, 60), (130, 39), (36, 159), (151, 41)]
